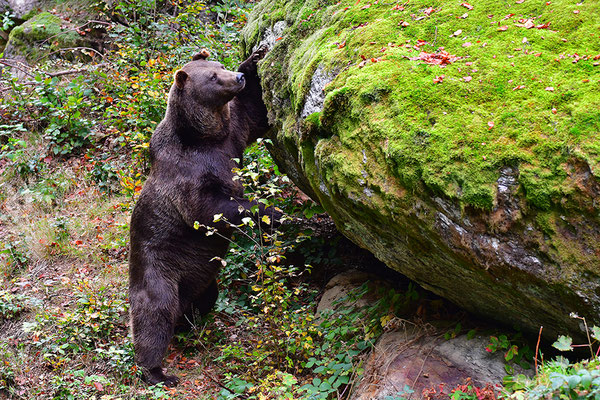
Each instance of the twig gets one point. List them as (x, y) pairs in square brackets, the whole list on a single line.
[(421, 370), (70, 71), (218, 382), (69, 48), (537, 349), (76, 29), (587, 331), (20, 68)]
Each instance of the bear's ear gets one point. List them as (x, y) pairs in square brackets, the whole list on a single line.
[(203, 55), (180, 78)]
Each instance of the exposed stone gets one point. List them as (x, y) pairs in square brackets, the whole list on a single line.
[(316, 95), (343, 284), (271, 35), (415, 358), (21, 8)]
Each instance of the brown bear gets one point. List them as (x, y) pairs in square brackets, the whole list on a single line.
[(212, 114)]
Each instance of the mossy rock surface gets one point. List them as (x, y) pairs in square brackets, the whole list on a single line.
[(41, 35), (458, 142)]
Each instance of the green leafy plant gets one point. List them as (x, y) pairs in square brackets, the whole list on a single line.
[(516, 351), (93, 325), (12, 305)]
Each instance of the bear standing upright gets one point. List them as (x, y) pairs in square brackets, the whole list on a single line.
[(212, 114)]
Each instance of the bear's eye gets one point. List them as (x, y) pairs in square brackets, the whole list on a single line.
[(214, 77)]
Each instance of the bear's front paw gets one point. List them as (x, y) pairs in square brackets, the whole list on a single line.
[(248, 67), (156, 375), (260, 53)]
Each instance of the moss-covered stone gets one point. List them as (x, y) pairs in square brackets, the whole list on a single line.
[(40, 35), (480, 178)]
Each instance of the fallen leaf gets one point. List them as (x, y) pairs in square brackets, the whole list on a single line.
[(527, 23), (490, 124), (554, 111), (543, 26), (441, 58), (458, 32), (550, 89), (439, 79), (576, 12), (466, 44), (467, 6), (467, 78), (464, 16), (519, 87), (503, 28), (428, 11), (98, 386), (520, 1)]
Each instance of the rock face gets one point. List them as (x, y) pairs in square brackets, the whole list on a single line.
[(457, 143)]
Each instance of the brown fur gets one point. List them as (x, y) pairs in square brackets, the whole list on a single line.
[(212, 115)]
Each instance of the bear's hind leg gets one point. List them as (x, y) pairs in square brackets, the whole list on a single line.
[(201, 304), (153, 314), (206, 301)]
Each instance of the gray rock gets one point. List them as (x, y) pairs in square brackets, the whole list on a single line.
[(316, 95), (417, 358), (22, 7)]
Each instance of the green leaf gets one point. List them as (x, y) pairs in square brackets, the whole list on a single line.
[(563, 343), (596, 332), (586, 380), (573, 381)]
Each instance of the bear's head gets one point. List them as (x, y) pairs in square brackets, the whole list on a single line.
[(207, 83)]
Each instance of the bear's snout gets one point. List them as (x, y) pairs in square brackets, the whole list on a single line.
[(240, 77)]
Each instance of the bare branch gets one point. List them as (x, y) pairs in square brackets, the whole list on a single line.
[(70, 49), (22, 67)]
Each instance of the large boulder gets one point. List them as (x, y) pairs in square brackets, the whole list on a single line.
[(458, 143)]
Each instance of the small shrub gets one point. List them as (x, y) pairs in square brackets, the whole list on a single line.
[(92, 326), (13, 305)]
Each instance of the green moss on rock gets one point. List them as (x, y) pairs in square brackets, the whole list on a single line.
[(511, 77), (40, 35)]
